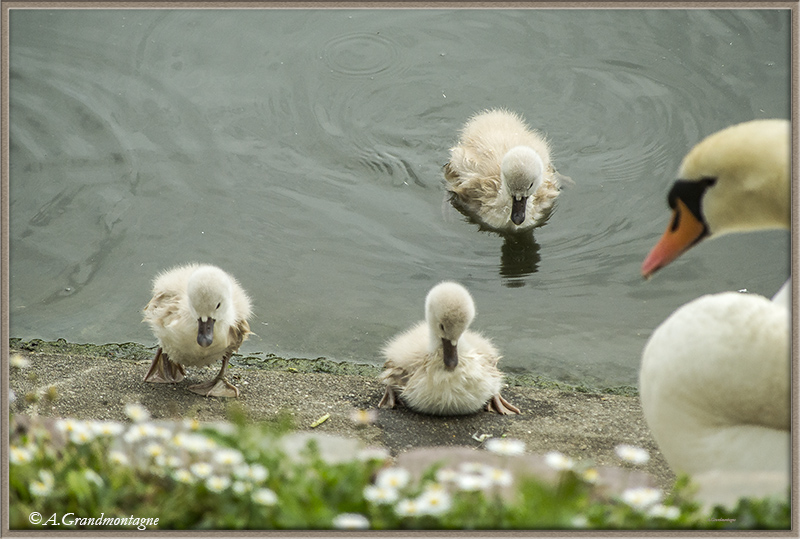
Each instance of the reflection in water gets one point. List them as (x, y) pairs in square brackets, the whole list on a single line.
[(519, 257)]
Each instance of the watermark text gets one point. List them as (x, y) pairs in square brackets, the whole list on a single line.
[(69, 519)]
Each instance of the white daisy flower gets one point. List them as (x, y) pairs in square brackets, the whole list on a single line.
[(93, 477), (591, 475), (39, 489), (194, 443), (19, 455), (44, 486), (265, 496), (257, 473), (669, 512), (183, 476), (118, 457), (498, 476), (107, 428), (446, 475), (632, 454), (217, 483), (472, 482), (228, 457), (67, 426), (251, 472), (434, 502), (242, 471), (641, 498), (132, 436), (559, 461), (191, 424), (579, 521), (18, 361), (162, 432), (350, 521), (201, 469), (81, 435), (173, 461), (136, 412), (241, 487), (154, 450), (380, 495), (179, 440), (139, 432), (434, 487), (393, 477), (407, 508), (210, 444), (505, 446), (47, 478)]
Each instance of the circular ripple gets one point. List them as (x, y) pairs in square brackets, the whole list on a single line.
[(360, 54)]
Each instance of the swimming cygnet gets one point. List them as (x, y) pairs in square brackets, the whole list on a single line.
[(439, 366), (500, 173), (199, 315)]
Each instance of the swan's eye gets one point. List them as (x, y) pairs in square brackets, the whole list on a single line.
[(441, 326), (218, 304), (530, 186)]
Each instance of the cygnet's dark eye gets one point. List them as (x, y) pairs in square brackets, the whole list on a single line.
[(441, 326), (218, 304), (530, 186)]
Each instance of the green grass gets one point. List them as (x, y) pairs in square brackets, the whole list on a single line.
[(235, 476)]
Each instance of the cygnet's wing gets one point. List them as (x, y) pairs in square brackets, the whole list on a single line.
[(404, 355)]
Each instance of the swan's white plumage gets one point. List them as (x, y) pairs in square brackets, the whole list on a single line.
[(750, 162), (497, 157), (715, 375), (415, 366), (714, 385)]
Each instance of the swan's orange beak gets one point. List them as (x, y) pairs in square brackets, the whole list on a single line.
[(684, 231)]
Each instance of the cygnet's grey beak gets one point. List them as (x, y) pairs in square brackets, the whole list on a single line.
[(518, 206), (450, 354), (205, 332)]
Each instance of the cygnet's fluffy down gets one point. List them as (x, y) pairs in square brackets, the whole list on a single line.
[(439, 366), (500, 173), (199, 315)]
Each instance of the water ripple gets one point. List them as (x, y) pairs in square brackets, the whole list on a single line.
[(361, 54)]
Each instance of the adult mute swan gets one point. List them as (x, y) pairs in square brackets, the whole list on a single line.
[(199, 315), (715, 376), (500, 173), (440, 367)]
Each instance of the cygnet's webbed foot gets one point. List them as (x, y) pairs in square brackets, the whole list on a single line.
[(389, 399), (164, 371), (501, 406), (218, 387)]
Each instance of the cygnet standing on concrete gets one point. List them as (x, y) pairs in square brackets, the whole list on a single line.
[(199, 315)]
